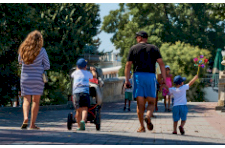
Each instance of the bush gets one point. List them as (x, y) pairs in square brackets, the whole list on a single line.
[(57, 89)]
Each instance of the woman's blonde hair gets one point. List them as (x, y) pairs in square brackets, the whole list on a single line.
[(31, 47)]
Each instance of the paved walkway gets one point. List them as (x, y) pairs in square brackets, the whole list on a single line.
[(204, 126)]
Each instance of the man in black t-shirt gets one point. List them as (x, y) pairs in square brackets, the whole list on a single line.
[(144, 56)]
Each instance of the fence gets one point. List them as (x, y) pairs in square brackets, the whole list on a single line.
[(208, 81)]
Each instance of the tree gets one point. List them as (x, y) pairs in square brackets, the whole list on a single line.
[(16, 22), (188, 23), (66, 29)]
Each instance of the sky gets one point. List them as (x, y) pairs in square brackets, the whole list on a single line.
[(106, 44)]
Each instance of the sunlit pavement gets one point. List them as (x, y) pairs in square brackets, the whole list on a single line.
[(204, 126)]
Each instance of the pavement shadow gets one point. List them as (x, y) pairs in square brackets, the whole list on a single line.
[(45, 118), (110, 111), (49, 137)]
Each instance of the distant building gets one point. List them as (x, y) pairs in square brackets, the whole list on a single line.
[(110, 63), (110, 59)]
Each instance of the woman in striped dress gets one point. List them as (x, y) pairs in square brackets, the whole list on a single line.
[(34, 60)]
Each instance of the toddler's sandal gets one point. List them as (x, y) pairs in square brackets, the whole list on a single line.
[(181, 130)]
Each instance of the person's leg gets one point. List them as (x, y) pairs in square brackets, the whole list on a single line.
[(125, 104), (150, 109), (156, 101), (84, 113), (176, 118), (165, 103), (26, 107), (129, 103), (83, 117), (34, 109), (183, 112), (140, 109), (183, 123), (175, 126), (76, 104), (130, 96), (78, 117), (84, 104), (181, 127), (169, 103)]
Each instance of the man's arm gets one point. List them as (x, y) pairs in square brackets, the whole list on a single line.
[(162, 68), (193, 80), (127, 72)]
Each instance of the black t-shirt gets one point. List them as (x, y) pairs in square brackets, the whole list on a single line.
[(144, 57)]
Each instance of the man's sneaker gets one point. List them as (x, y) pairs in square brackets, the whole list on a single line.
[(124, 108), (149, 125), (181, 130), (82, 125), (128, 109)]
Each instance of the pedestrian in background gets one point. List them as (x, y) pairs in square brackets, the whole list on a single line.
[(128, 94), (165, 91)]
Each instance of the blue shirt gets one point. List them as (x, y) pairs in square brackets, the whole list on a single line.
[(81, 81)]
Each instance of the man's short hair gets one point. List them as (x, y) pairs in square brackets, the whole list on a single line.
[(143, 34)]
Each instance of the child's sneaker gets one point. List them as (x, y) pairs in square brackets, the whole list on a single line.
[(181, 130), (124, 108), (82, 125), (174, 133), (128, 109)]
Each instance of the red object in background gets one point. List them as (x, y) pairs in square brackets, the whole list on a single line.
[(94, 80), (206, 60)]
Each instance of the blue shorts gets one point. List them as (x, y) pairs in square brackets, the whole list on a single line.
[(144, 85), (180, 111)]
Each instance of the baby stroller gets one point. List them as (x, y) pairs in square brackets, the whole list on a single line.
[(94, 110)]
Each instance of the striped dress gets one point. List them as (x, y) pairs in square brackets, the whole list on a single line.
[(31, 80)]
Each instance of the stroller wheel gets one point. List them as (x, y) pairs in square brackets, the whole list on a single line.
[(98, 127), (69, 121), (98, 120)]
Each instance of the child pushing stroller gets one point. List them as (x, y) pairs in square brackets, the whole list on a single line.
[(81, 96)]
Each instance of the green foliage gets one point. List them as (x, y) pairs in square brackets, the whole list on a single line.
[(191, 23), (66, 28), (57, 89), (200, 26), (15, 23), (179, 57)]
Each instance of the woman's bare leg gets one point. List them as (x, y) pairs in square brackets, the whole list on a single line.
[(34, 110), (26, 108)]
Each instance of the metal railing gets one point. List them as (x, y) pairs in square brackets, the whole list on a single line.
[(208, 81)]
